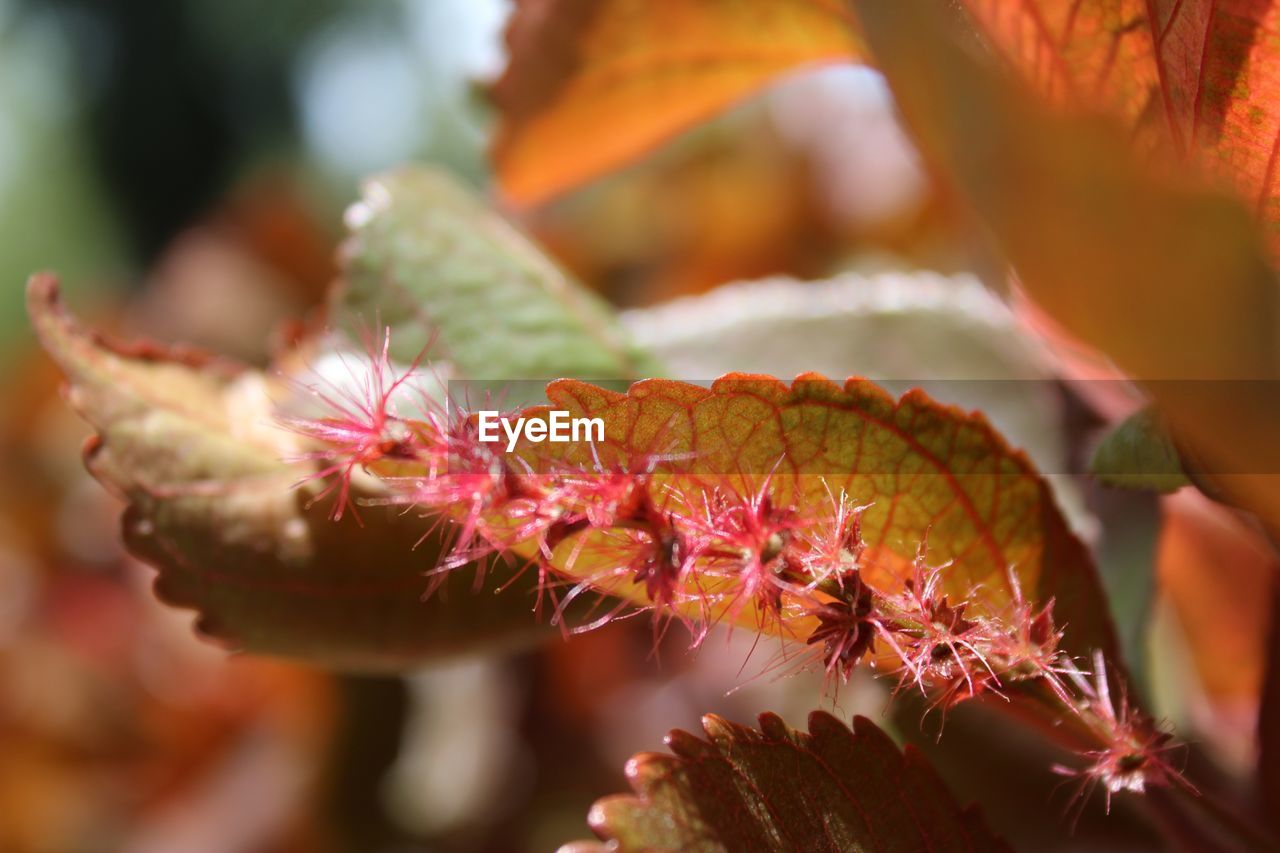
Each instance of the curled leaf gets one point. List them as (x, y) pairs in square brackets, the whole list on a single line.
[(188, 443)]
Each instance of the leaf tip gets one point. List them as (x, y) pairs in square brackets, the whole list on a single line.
[(716, 727), (45, 308), (821, 721), (42, 287), (773, 726)]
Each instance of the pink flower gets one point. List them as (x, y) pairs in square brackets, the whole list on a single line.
[(1136, 751), (360, 426), (846, 629), (743, 542)]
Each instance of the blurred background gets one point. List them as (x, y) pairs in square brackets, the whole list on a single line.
[(183, 165)]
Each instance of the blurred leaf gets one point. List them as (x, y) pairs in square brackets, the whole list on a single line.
[(1139, 454), (1216, 570), (928, 471), (777, 788), (1268, 766), (1198, 79), (1002, 770), (188, 443), (1102, 52), (1170, 282), (592, 85), (1125, 546), (946, 334), (440, 269)]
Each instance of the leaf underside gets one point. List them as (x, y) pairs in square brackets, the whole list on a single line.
[(776, 788), (213, 507)]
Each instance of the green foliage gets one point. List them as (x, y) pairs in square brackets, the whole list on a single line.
[(449, 276), (1139, 454)]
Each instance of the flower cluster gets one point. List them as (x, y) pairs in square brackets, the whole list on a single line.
[(640, 532)]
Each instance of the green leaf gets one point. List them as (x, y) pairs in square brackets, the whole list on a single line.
[(188, 442), (429, 260), (1139, 454), (777, 788), (190, 445)]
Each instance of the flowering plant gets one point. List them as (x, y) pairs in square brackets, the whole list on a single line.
[(340, 507)]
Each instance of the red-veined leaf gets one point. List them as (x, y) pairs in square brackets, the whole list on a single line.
[(928, 473), (1198, 79), (592, 86), (777, 788), (1170, 282)]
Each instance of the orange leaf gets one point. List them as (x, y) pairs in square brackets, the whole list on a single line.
[(1170, 283), (592, 85), (929, 472), (1217, 572), (1076, 53), (1197, 78)]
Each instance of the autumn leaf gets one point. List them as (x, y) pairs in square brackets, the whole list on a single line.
[(448, 276), (592, 85), (1215, 571), (777, 788), (1198, 80), (1170, 282), (927, 472), (1097, 53), (966, 348), (188, 443)]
